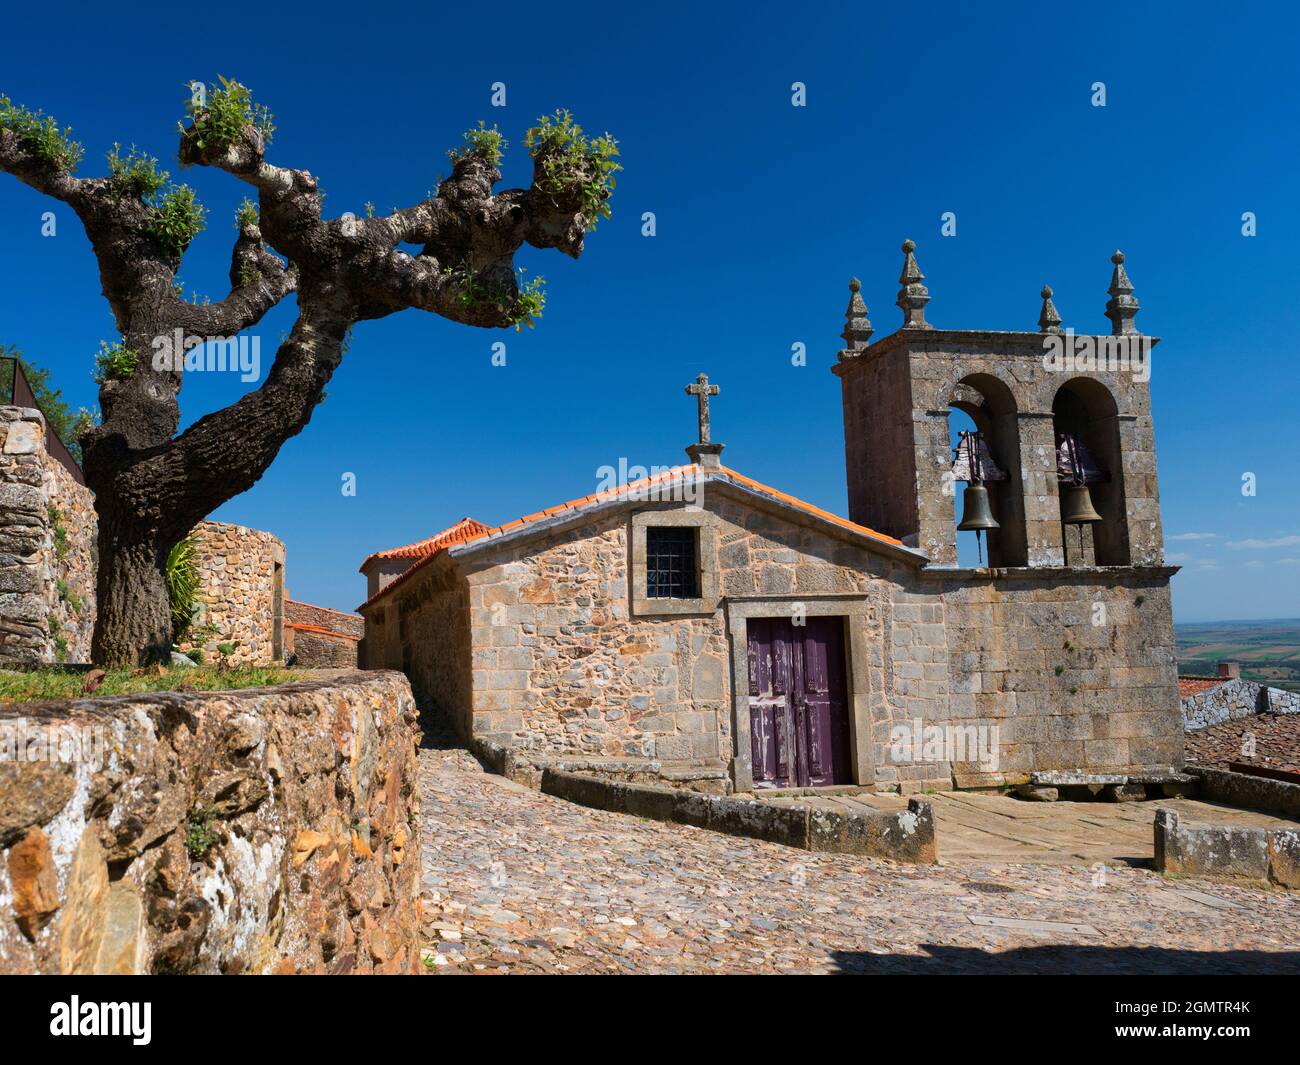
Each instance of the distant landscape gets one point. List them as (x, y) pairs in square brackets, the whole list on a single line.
[(1267, 651)]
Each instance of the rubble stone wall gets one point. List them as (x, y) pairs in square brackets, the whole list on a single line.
[(257, 831), (1235, 699), (240, 569), (311, 648), (47, 550)]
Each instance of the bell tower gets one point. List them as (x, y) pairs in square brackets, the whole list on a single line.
[(1065, 449)]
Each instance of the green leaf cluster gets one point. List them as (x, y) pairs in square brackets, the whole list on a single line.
[(183, 584), (222, 118), (178, 219), (115, 362), (488, 143), (572, 164), (40, 134)]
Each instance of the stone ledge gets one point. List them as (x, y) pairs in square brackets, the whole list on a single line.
[(1245, 790), (1056, 778), (1268, 855), (905, 836), (525, 766)]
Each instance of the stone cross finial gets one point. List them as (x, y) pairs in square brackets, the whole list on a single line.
[(913, 296), (1049, 321), (1122, 307), (702, 390), (704, 453), (857, 327)]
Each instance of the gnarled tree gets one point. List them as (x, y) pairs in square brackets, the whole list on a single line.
[(153, 485)]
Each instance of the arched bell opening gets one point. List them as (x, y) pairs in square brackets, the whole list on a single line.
[(1090, 474), (983, 404)]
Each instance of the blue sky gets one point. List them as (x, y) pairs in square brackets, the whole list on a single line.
[(763, 212)]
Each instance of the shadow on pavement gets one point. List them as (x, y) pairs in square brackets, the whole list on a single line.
[(1069, 960)]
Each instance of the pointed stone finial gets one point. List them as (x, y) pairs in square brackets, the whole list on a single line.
[(1122, 307), (1049, 321), (913, 296), (857, 327)]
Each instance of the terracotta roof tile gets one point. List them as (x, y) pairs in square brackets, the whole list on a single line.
[(299, 627), (463, 530), (1195, 685), (463, 535)]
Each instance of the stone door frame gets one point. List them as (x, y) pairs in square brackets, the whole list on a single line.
[(853, 609)]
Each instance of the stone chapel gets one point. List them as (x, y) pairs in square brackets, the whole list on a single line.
[(701, 624)]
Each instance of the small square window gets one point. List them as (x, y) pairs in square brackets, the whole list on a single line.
[(671, 570)]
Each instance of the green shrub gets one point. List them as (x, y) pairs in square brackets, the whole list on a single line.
[(488, 143), (222, 119), (570, 163), (531, 302), (136, 173), (183, 582), (115, 362), (246, 214), (200, 836), (177, 219), (59, 531), (40, 134)]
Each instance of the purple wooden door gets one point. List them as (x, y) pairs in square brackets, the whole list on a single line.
[(798, 703)]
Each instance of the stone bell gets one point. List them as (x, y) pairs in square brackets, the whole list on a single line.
[(976, 514), (1077, 508)]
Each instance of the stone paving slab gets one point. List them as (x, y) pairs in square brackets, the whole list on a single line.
[(516, 881), (978, 826)]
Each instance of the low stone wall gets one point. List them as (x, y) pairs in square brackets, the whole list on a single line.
[(322, 617), (1247, 790), (316, 637), (266, 830), (906, 836), (308, 647), (1262, 854), (526, 766), (47, 549), (1233, 700)]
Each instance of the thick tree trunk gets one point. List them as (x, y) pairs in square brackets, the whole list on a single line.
[(134, 622), (150, 495)]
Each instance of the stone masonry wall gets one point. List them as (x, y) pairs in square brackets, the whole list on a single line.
[(568, 670), (425, 632), (238, 568), (266, 830), (1076, 672), (1235, 699), (1074, 668), (311, 648), (47, 550)]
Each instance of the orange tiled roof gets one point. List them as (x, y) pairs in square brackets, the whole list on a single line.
[(465, 529), (574, 505), (1195, 685), (300, 627)]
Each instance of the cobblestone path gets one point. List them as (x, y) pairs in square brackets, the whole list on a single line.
[(520, 882)]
